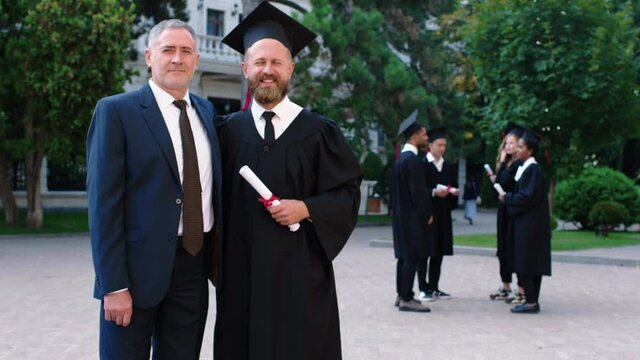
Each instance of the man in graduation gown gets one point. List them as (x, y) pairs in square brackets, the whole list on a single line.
[(442, 186), (411, 210), (278, 298)]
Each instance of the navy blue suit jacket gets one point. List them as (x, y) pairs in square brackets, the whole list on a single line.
[(135, 195)]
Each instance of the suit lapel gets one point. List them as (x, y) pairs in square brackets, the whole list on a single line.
[(152, 115)]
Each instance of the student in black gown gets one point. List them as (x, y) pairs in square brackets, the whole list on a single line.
[(442, 186), (278, 296), (528, 208), (411, 210), (507, 164)]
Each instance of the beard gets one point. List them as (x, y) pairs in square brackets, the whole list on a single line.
[(268, 95)]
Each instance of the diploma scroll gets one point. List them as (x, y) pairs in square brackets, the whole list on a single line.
[(449, 188), (499, 189), (487, 168), (262, 189)]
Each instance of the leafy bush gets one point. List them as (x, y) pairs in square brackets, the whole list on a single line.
[(606, 215), (553, 222), (576, 196)]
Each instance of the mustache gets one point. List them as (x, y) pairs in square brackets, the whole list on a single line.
[(268, 77)]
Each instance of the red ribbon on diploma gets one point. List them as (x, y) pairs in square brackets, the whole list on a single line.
[(268, 202)]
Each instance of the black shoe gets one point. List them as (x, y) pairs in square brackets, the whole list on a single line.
[(397, 303), (412, 305), (441, 295), (526, 309), (426, 296)]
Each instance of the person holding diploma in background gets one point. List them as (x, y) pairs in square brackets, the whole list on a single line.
[(507, 164), (412, 213), (528, 208), (442, 186), (278, 297)]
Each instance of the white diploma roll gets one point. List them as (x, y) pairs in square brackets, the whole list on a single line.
[(451, 189), (487, 168), (262, 189), (499, 189)]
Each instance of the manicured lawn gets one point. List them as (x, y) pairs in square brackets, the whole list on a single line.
[(562, 240), (374, 219), (55, 222)]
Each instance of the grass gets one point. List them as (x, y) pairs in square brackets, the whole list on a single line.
[(61, 222), (562, 240), (55, 222)]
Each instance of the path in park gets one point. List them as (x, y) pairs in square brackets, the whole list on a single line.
[(588, 311)]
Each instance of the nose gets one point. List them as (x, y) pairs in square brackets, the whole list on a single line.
[(176, 59)]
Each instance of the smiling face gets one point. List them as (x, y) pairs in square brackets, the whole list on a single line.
[(173, 59), (268, 66)]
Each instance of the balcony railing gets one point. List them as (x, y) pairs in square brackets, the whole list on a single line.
[(211, 47)]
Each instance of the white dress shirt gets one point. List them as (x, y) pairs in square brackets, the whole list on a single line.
[(286, 111), (409, 147), (171, 115), (437, 162)]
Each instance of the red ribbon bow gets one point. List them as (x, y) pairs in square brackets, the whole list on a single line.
[(268, 202)]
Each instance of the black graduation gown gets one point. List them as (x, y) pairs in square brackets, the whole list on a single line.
[(505, 177), (528, 208), (278, 298), (441, 243), (411, 207)]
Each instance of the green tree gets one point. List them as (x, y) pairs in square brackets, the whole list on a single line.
[(65, 54), (565, 68)]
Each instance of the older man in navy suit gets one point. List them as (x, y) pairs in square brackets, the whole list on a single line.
[(154, 189)]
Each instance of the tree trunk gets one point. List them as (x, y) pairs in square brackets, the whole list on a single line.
[(6, 192), (33, 166), (552, 194)]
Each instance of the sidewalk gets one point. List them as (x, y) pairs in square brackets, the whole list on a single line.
[(588, 311)]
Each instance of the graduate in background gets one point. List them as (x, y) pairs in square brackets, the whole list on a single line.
[(507, 164), (528, 206), (412, 213), (278, 296), (442, 186), (471, 197)]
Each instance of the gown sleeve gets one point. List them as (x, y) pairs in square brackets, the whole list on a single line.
[(334, 210)]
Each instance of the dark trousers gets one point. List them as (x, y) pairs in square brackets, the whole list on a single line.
[(531, 285), (175, 326), (434, 264), (405, 275), (505, 271)]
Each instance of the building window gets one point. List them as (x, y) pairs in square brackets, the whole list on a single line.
[(215, 22)]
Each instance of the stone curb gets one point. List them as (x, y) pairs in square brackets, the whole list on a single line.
[(555, 256)]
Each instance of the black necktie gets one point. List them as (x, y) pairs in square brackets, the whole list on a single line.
[(192, 222), (269, 133)]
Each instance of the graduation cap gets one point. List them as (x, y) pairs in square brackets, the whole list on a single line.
[(513, 129), (437, 133), (409, 125), (267, 22)]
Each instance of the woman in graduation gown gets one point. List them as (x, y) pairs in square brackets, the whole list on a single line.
[(507, 164), (528, 208), (442, 186), (277, 300)]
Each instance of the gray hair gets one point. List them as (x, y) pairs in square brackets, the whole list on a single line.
[(155, 31)]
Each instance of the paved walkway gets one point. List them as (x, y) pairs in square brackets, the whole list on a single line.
[(588, 311)]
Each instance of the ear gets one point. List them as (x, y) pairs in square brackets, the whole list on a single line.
[(147, 56), (245, 69)]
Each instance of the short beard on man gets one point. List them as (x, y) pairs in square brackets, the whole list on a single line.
[(268, 95)]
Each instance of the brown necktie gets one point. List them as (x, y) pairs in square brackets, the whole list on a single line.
[(192, 222), (269, 133)]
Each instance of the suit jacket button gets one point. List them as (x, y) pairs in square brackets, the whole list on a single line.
[(266, 148), (178, 201)]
